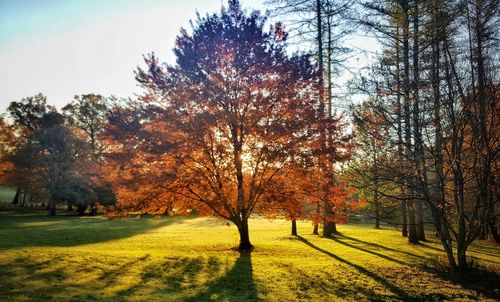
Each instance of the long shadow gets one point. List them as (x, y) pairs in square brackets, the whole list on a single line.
[(485, 249), (477, 279), (54, 280), (109, 277), (473, 249), (178, 276), (430, 247), (38, 230), (396, 290), (341, 288), (236, 285), (368, 251), (16, 273), (381, 246)]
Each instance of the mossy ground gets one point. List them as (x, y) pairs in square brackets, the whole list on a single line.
[(193, 259)]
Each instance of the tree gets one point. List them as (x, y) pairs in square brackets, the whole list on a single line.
[(138, 163), (324, 24), (29, 112), (373, 153), (61, 163), (341, 198), (7, 146), (233, 113), (447, 122), (287, 197), (88, 113), (29, 115)]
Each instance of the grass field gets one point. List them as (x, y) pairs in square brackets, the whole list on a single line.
[(192, 259), (6, 194)]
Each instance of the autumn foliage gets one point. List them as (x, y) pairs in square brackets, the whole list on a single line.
[(232, 128)]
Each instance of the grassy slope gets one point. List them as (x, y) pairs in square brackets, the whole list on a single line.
[(191, 259)]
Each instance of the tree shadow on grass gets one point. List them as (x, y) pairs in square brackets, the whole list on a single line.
[(491, 249), (236, 285), (482, 280), (145, 278), (43, 231), (391, 287), (342, 288), (183, 279), (369, 251), (375, 245), (477, 248)]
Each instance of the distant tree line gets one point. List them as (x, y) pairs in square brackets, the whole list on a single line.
[(53, 158)]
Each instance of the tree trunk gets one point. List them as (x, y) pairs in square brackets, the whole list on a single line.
[(16, 197), (316, 225), (376, 201), (462, 257), (81, 210), (420, 221), (245, 244), (494, 231), (443, 234), (327, 225), (52, 208), (412, 229), (438, 191), (404, 230), (294, 227), (412, 236), (93, 210), (326, 229), (23, 200), (418, 148)]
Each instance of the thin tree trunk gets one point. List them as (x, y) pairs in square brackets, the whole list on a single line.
[(438, 196), (418, 149), (316, 225), (404, 210), (52, 208), (412, 235), (404, 230), (316, 229), (377, 211), (412, 228), (23, 202), (16, 197), (376, 201), (420, 221), (294, 227)]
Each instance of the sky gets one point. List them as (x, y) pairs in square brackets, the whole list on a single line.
[(64, 48)]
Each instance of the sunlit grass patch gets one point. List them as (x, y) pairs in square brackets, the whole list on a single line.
[(193, 259)]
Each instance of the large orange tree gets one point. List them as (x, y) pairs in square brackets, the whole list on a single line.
[(215, 130)]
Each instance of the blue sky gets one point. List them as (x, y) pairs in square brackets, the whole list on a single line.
[(62, 48)]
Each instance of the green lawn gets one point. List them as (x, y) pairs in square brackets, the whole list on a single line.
[(192, 259), (6, 194)]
